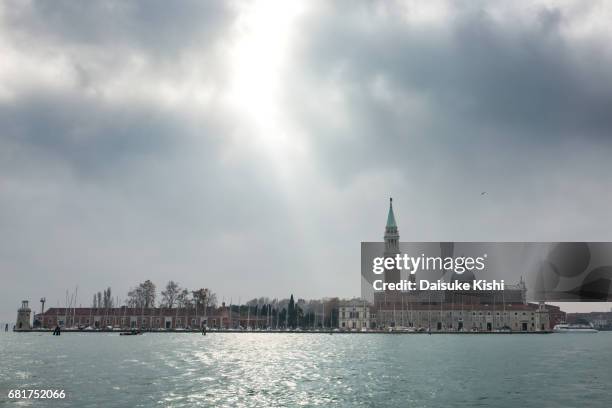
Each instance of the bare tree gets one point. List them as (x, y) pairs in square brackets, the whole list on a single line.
[(182, 299), (135, 297), (107, 299), (149, 293), (170, 295), (143, 295), (204, 298)]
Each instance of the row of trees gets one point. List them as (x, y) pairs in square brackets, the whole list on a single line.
[(175, 296), (144, 295), (287, 311), (103, 300)]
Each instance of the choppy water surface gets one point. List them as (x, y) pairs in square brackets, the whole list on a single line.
[(223, 369)]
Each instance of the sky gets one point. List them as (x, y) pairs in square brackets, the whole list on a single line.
[(250, 146)]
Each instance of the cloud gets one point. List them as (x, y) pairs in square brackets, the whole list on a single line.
[(150, 26), (466, 98), (475, 78)]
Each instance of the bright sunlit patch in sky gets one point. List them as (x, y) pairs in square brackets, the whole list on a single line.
[(258, 57)]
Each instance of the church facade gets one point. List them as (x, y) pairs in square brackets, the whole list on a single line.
[(468, 310)]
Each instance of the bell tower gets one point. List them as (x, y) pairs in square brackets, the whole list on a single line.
[(391, 244)]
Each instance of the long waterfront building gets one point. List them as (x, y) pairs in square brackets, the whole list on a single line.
[(150, 318)]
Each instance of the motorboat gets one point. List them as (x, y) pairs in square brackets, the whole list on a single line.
[(131, 333), (574, 328)]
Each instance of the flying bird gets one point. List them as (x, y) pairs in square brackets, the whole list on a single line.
[(483, 193)]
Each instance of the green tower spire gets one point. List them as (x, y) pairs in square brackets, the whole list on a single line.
[(391, 216)]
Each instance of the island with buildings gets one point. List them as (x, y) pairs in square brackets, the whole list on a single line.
[(180, 310)]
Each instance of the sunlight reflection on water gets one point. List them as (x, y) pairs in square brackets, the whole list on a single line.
[(223, 369)]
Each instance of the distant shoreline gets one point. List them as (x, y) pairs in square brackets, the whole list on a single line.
[(282, 331)]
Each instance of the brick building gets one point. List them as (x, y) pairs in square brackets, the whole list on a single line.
[(150, 318)]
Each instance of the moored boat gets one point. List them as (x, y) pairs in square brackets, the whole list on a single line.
[(131, 333), (574, 328)]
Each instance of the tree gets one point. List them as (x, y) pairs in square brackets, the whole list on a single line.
[(149, 293), (99, 295), (309, 319), (204, 298), (183, 300), (135, 297), (143, 295), (331, 312), (170, 295), (292, 313), (94, 304), (299, 316), (107, 299)]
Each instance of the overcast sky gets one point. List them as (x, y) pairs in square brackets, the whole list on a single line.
[(250, 147)]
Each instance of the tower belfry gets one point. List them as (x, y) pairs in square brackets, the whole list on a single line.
[(391, 244), (391, 233)]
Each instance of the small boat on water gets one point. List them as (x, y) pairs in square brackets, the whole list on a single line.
[(131, 333), (574, 328)]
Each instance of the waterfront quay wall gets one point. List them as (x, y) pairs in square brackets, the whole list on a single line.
[(221, 331)]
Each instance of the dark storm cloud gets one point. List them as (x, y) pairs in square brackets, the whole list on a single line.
[(150, 26), (87, 135), (479, 80), (475, 68), (70, 116)]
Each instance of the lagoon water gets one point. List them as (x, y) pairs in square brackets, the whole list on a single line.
[(257, 369)]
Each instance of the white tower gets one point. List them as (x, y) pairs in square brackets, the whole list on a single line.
[(23, 317)]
